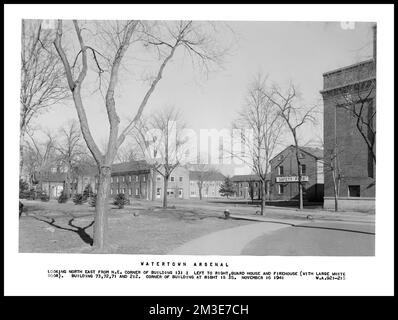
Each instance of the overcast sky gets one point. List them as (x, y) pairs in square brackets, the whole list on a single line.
[(286, 51)]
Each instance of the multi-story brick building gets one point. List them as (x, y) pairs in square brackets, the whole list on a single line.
[(132, 179), (210, 181), (249, 183), (284, 174), (178, 184), (349, 99)]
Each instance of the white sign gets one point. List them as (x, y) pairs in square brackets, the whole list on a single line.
[(291, 179)]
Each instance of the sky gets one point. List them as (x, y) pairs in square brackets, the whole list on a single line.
[(298, 52)]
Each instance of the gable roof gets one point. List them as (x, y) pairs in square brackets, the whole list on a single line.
[(246, 177), (49, 176), (131, 166), (312, 151), (206, 175)]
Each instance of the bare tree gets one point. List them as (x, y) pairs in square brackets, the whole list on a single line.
[(42, 79), (165, 142), (71, 150), (39, 157), (261, 128), (295, 116), (117, 37), (203, 173), (358, 101)]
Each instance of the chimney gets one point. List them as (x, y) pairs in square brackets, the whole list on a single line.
[(374, 41)]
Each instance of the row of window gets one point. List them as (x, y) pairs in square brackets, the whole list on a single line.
[(303, 170), (256, 184), (353, 190), (123, 190), (171, 179), (127, 178)]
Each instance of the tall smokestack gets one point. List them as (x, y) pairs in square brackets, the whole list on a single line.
[(374, 41)]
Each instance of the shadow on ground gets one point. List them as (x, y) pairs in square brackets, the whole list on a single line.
[(81, 231)]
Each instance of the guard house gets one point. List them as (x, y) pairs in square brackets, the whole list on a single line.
[(284, 174)]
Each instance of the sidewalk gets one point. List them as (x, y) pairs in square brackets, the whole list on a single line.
[(305, 214), (230, 241)]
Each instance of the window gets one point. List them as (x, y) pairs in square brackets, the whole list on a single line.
[(136, 192), (303, 169), (280, 170), (281, 189), (130, 192), (111, 191), (143, 178), (129, 178), (136, 178), (117, 179), (172, 179), (354, 191), (180, 193), (111, 179), (180, 179), (158, 191), (123, 179)]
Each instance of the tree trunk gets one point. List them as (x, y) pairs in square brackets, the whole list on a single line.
[(153, 175), (301, 206), (336, 202), (165, 183), (101, 209), (20, 158), (263, 197), (67, 185), (200, 192)]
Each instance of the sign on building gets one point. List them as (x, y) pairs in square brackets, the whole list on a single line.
[(291, 179)]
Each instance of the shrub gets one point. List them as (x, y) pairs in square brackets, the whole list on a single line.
[(62, 198), (78, 198), (44, 197), (30, 194), (121, 200), (92, 200), (20, 208), (23, 189), (88, 192)]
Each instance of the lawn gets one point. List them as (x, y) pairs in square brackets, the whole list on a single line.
[(141, 228)]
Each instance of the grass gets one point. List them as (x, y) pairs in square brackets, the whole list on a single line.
[(50, 227)]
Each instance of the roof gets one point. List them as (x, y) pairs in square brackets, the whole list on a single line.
[(316, 152), (351, 66), (312, 151), (246, 177), (206, 175), (50, 176), (131, 166)]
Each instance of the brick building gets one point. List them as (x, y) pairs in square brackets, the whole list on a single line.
[(284, 174), (246, 184), (211, 182), (132, 179), (349, 99), (178, 184)]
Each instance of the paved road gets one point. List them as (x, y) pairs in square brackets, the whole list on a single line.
[(316, 239), (287, 238)]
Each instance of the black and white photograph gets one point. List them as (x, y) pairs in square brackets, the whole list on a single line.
[(197, 138)]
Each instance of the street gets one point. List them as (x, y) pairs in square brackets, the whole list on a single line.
[(316, 239)]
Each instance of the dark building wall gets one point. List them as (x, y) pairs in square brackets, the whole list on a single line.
[(138, 186), (340, 129), (312, 190)]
